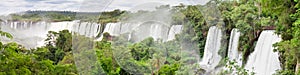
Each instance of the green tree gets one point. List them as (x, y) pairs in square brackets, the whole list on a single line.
[(2, 33), (285, 15), (59, 44), (16, 60)]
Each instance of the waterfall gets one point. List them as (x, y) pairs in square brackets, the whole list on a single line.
[(211, 57), (112, 28), (88, 29), (58, 26), (37, 31), (263, 60), (175, 29), (150, 29), (139, 31), (128, 27), (27, 35), (233, 53), (33, 34)]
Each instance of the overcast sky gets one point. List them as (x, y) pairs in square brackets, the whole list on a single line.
[(11, 6)]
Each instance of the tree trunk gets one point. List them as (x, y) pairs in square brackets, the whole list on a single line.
[(297, 67)]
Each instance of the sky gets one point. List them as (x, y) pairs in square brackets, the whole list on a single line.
[(13, 6)]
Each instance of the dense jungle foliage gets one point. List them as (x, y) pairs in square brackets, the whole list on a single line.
[(251, 17)]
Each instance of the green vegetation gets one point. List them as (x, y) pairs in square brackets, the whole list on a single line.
[(234, 68), (55, 16), (243, 15), (57, 57), (48, 60), (285, 15), (26, 17), (110, 16), (196, 28), (155, 57), (6, 34), (251, 17)]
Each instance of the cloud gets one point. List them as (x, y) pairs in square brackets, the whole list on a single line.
[(12, 6), (107, 5)]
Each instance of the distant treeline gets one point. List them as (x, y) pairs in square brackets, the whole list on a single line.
[(54, 16)]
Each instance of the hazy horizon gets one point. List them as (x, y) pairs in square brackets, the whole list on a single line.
[(15, 6)]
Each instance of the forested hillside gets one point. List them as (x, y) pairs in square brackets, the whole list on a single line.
[(251, 17), (54, 16)]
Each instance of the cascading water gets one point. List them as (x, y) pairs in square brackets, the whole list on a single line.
[(175, 29), (211, 57), (112, 28), (263, 61), (128, 27), (29, 36), (58, 26), (233, 53), (150, 29), (33, 34), (155, 30), (88, 29)]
